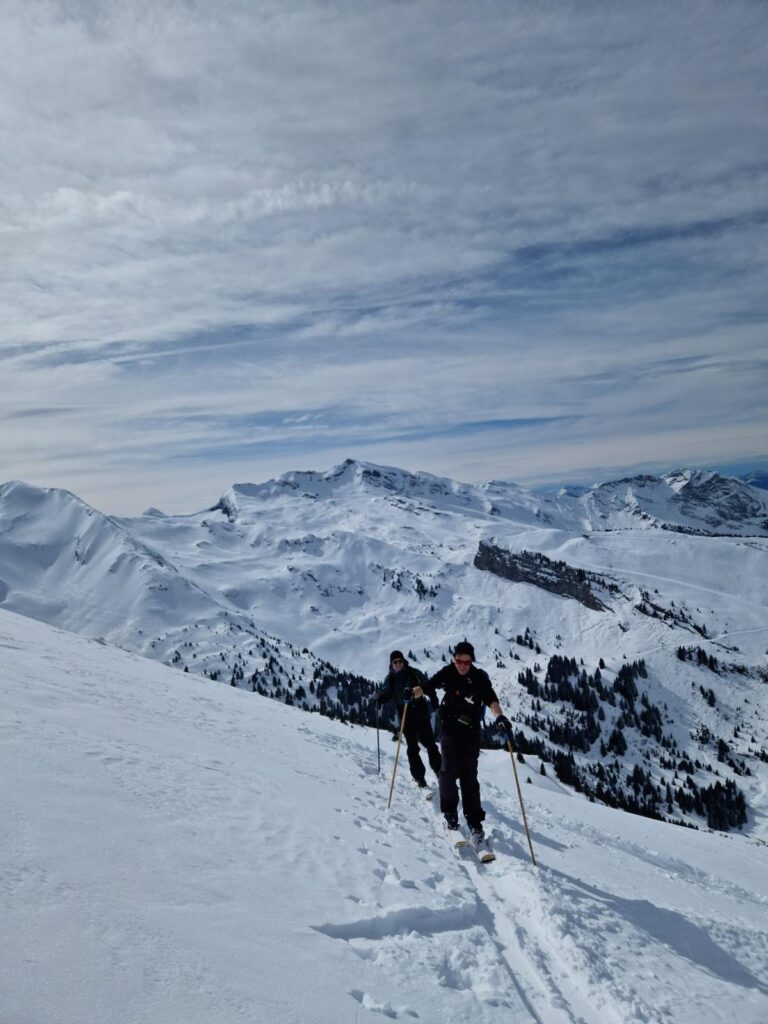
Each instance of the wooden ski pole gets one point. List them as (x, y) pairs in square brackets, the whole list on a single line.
[(397, 754), (378, 746), (520, 798)]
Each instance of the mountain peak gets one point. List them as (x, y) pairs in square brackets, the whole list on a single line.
[(687, 499), (694, 478), (19, 491), (347, 477)]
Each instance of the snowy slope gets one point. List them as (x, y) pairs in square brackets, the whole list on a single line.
[(687, 500), (281, 581), (348, 560), (176, 851), (65, 563), (361, 559)]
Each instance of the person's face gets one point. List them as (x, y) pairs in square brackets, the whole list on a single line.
[(397, 664), (463, 664)]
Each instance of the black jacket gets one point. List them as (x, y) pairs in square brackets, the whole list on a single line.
[(464, 699), (398, 686)]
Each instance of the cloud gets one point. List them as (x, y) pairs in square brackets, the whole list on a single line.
[(245, 233)]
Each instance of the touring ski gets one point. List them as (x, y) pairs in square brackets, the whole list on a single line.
[(479, 844), (482, 848)]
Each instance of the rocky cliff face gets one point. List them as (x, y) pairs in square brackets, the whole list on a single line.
[(556, 577)]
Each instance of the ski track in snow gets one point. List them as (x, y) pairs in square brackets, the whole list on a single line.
[(683, 584), (176, 851), (702, 641)]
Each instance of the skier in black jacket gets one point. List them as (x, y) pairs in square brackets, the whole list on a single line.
[(400, 684), (467, 690)]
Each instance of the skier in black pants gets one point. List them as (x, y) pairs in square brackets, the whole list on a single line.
[(400, 683), (467, 690)]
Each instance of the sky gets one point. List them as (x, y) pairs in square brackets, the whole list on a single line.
[(487, 240)]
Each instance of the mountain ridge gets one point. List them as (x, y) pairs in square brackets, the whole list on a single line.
[(694, 499), (298, 588)]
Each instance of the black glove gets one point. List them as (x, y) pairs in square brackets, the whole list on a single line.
[(503, 725), (380, 698)]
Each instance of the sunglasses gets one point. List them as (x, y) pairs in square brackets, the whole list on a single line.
[(463, 661)]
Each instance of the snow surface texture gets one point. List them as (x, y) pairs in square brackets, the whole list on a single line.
[(178, 852)]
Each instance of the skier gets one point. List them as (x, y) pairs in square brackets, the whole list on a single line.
[(467, 689), (402, 682)]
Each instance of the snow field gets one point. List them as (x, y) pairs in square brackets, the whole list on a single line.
[(178, 851), (351, 563)]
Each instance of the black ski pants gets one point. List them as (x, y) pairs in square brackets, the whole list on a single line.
[(459, 763), (418, 730)]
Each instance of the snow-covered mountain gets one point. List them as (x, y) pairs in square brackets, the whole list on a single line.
[(625, 627), (65, 563), (176, 852), (321, 553), (689, 500)]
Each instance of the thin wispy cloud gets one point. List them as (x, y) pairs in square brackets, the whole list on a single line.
[(498, 239)]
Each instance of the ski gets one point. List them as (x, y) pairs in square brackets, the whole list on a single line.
[(457, 839), (482, 848)]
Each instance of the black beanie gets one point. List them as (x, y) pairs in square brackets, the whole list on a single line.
[(464, 647), (396, 654)]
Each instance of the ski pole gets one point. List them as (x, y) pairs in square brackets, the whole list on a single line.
[(378, 747), (397, 753), (520, 797)]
